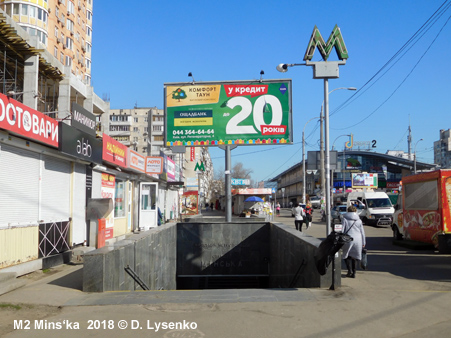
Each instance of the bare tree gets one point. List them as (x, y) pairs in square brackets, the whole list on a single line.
[(238, 171)]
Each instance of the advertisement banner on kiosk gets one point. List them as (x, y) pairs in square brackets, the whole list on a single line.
[(108, 186), (190, 203), (226, 113)]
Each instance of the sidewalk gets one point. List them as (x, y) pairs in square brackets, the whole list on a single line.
[(372, 305), (403, 295)]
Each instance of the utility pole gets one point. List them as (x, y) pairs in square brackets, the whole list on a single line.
[(409, 141), (321, 146)]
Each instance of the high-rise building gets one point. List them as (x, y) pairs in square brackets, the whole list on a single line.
[(63, 26), (48, 66), (442, 149)]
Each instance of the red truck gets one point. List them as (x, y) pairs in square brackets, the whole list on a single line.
[(423, 209)]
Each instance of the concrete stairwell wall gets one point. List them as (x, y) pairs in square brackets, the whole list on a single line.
[(150, 254)]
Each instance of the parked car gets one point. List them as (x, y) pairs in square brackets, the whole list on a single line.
[(292, 209), (337, 212), (315, 202)]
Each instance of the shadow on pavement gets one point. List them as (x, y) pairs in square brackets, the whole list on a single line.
[(426, 265), (73, 280)]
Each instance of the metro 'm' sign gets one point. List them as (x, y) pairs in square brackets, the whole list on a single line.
[(335, 40)]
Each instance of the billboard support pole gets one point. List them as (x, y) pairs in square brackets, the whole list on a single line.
[(228, 181)]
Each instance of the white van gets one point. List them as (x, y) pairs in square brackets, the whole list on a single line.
[(373, 207)]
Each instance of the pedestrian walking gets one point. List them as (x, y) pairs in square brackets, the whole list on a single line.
[(352, 251), (308, 215), (278, 209), (299, 215)]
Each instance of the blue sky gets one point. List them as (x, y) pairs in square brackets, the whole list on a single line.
[(139, 47)]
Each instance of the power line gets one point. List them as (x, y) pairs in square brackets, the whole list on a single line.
[(402, 82), (415, 38)]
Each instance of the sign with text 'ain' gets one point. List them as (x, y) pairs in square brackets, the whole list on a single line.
[(226, 113)]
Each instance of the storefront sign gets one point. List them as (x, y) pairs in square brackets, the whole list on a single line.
[(154, 165), (83, 119), (114, 151), (191, 182), (239, 112), (240, 181), (170, 169), (136, 161), (261, 191), (25, 121), (393, 185), (79, 144)]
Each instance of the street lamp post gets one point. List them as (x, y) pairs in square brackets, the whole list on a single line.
[(415, 156), (303, 159)]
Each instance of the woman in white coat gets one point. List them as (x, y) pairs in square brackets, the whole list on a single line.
[(352, 251)]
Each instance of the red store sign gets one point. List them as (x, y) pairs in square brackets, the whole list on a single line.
[(114, 151), (25, 121)]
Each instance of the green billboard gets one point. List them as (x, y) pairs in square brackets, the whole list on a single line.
[(226, 113)]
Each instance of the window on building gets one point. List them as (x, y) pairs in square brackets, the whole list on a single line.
[(24, 9), (40, 16), (135, 129), (89, 15), (119, 128), (68, 61), (157, 128), (16, 9), (56, 31), (158, 138), (119, 118), (69, 43), (70, 25), (62, 58), (70, 7), (88, 31), (55, 52), (42, 37), (136, 120), (32, 11)]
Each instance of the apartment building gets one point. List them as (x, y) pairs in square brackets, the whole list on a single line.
[(141, 129), (442, 149)]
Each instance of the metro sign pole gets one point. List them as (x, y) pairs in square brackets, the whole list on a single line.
[(326, 70)]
